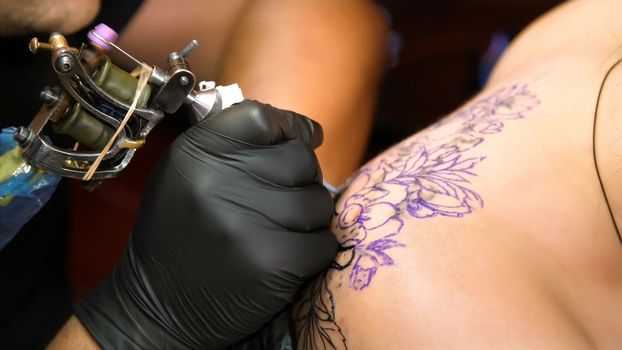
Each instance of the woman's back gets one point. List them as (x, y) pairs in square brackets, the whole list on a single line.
[(490, 228)]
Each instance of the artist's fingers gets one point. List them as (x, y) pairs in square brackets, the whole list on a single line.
[(261, 124)]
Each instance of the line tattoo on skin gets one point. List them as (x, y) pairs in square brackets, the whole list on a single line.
[(423, 177)]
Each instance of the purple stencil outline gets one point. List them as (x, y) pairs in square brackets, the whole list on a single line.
[(408, 181), (425, 176)]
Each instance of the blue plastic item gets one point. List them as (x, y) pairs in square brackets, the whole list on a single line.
[(24, 189), (499, 42)]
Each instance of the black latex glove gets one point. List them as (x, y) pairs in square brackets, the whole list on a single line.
[(232, 222)]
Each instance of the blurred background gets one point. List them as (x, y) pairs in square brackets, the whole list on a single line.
[(445, 49), (442, 59)]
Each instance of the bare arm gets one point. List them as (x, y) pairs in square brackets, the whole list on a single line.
[(73, 336), (321, 58)]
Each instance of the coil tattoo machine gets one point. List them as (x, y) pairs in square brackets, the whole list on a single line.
[(107, 111)]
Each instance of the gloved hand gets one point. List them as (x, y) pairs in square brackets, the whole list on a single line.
[(234, 219)]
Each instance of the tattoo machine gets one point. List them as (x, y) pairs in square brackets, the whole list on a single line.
[(108, 111)]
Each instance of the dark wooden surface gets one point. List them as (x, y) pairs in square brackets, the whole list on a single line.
[(443, 41)]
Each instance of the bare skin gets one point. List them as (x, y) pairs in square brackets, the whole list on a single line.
[(68, 16), (514, 248), (73, 336), (305, 56)]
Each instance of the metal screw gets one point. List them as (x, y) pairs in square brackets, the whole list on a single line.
[(184, 80), (64, 64), (21, 135), (49, 95), (35, 45)]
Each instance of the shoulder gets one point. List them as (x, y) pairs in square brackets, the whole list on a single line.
[(423, 263)]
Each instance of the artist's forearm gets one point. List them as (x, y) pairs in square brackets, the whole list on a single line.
[(73, 336), (321, 58)]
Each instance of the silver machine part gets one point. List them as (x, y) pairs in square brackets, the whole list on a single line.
[(211, 99)]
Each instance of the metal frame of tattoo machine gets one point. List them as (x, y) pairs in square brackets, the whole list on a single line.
[(94, 97)]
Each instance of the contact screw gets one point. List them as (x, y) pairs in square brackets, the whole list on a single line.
[(189, 49)]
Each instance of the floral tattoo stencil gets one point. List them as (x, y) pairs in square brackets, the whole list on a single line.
[(423, 177)]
